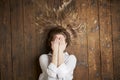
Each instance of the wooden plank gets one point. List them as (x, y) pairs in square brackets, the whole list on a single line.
[(43, 23), (106, 40), (115, 11), (5, 41), (79, 39), (30, 41), (1, 41), (43, 19), (93, 40), (17, 40)]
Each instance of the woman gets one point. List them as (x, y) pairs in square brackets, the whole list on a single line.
[(58, 64)]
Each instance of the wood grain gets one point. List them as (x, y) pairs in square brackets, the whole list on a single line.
[(18, 55), (93, 25), (30, 40), (115, 11), (93, 29), (5, 41), (80, 41), (106, 40)]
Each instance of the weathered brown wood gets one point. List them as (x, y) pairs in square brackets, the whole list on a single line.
[(17, 40), (115, 11), (80, 41), (30, 40), (106, 40), (92, 24), (93, 41), (5, 41), (41, 24)]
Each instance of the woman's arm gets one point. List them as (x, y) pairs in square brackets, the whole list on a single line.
[(55, 46), (58, 68), (52, 72), (62, 46), (48, 70), (66, 69), (43, 60), (52, 68)]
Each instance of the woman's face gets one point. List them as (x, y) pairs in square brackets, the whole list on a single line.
[(58, 43)]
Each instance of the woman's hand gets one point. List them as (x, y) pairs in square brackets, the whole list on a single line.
[(55, 45), (58, 47), (62, 44), (59, 44)]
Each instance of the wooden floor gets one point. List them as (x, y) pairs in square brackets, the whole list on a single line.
[(94, 26)]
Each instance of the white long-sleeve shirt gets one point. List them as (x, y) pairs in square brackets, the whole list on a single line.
[(52, 72)]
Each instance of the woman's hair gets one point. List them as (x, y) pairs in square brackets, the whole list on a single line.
[(54, 31)]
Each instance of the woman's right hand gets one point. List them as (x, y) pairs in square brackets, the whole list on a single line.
[(55, 45)]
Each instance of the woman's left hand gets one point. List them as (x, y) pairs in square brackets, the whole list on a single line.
[(62, 44)]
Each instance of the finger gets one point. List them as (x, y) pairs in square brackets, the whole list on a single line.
[(62, 41), (56, 40)]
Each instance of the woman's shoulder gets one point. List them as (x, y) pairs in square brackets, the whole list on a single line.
[(43, 58), (71, 57)]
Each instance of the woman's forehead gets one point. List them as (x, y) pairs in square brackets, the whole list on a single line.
[(59, 35)]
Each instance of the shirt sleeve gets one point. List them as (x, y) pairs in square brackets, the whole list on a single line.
[(67, 68), (48, 71), (52, 70), (43, 62)]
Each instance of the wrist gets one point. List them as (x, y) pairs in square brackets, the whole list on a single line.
[(61, 51), (55, 52)]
